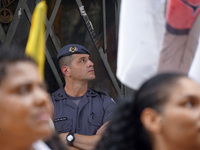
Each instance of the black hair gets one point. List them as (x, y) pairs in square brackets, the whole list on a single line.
[(65, 61), (125, 130), (9, 56)]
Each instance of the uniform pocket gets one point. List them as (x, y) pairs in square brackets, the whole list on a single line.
[(95, 120), (63, 125)]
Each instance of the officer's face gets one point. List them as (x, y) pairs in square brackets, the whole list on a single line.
[(82, 68), (25, 106)]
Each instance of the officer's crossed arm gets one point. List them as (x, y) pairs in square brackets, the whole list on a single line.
[(84, 142)]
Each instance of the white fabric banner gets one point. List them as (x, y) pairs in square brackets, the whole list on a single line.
[(194, 72), (141, 32)]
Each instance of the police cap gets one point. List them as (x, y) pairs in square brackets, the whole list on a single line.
[(72, 49)]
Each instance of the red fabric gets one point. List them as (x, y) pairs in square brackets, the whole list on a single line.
[(181, 14)]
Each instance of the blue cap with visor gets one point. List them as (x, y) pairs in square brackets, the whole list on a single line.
[(72, 49)]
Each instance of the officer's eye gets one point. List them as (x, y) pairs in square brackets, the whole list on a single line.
[(82, 60)]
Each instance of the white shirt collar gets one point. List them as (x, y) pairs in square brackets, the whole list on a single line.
[(40, 145)]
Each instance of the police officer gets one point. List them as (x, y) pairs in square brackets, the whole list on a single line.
[(80, 113)]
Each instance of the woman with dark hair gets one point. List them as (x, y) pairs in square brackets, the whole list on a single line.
[(164, 115), (25, 106)]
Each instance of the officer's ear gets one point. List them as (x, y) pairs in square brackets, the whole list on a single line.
[(65, 70)]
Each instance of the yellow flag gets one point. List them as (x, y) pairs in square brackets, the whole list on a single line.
[(35, 47)]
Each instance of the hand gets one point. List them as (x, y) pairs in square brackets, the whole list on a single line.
[(102, 128), (63, 137)]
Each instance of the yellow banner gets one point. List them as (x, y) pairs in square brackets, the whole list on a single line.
[(35, 47)]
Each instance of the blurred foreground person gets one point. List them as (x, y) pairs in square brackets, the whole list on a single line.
[(25, 106), (164, 115)]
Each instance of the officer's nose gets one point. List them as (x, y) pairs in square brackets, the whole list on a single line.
[(90, 63)]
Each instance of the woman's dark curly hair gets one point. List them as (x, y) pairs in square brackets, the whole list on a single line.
[(125, 130)]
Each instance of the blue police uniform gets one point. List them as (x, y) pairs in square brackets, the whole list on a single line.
[(93, 111)]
